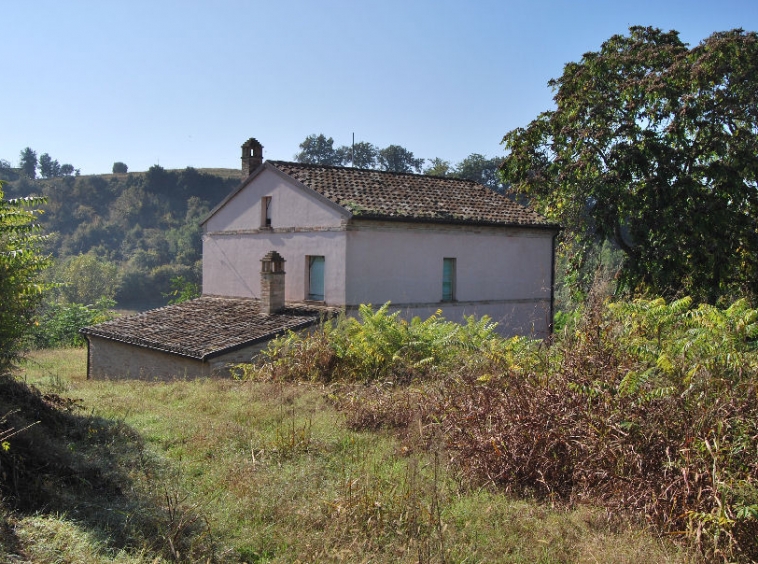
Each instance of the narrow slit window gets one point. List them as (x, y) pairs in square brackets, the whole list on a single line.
[(316, 278), (266, 211), (448, 279)]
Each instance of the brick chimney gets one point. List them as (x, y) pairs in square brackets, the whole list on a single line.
[(252, 156), (272, 283)]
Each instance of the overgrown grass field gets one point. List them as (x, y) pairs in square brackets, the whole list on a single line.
[(275, 469)]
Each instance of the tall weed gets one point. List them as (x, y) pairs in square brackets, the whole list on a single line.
[(376, 346), (644, 407)]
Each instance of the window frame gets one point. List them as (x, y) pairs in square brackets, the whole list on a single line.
[(310, 260), (266, 212), (449, 268)]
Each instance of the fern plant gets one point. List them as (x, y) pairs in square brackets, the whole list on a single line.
[(677, 346), (379, 345)]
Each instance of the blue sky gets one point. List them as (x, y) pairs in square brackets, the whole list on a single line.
[(185, 83)]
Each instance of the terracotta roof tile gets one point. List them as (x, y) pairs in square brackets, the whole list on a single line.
[(374, 194), (207, 326)]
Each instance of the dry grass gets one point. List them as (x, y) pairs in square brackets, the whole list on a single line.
[(645, 408), (269, 472)]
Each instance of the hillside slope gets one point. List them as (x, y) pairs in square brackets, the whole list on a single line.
[(147, 223)]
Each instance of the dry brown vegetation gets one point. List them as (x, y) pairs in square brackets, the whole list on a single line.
[(646, 409)]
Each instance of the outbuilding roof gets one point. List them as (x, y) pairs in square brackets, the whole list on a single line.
[(207, 326), (375, 194)]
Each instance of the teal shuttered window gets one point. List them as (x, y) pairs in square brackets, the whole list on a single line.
[(448, 279)]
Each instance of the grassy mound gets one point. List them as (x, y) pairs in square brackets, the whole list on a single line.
[(57, 459)]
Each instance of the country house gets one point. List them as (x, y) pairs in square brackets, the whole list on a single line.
[(294, 242)]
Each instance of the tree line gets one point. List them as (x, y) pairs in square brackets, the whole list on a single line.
[(47, 167), (123, 237), (319, 149)]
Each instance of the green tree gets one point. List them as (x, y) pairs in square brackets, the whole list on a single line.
[(439, 167), (653, 146), (7, 172), (318, 149), (182, 290), (49, 168), (395, 158), (359, 155), (86, 279), (21, 262), (28, 162), (479, 168), (119, 168)]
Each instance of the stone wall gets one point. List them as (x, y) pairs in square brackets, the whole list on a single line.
[(112, 360)]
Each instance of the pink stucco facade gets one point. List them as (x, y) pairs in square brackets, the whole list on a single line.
[(302, 224), (504, 272)]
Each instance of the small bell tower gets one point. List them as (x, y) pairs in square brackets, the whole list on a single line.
[(252, 156)]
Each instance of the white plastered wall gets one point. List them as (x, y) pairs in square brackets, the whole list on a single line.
[(293, 206), (505, 273), (302, 224)]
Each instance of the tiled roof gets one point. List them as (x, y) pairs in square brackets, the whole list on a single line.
[(206, 327), (373, 194)]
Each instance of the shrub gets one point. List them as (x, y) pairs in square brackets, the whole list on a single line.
[(646, 406), (641, 407), (376, 346), (58, 324)]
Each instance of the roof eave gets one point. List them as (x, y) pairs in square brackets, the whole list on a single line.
[(455, 221), (262, 339), (89, 331)]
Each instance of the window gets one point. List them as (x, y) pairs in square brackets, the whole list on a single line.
[(266, 211), (316, 278), (448, 279)]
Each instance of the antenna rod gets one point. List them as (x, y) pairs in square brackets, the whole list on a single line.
[(352, 152)]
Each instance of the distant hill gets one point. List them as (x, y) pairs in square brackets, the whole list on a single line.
[(147, 223)]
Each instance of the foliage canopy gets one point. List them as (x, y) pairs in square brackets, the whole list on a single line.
[(87, 278), (318, 149), (652, 145), (21, 262)]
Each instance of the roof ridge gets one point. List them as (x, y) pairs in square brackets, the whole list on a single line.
[(356, 169)]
